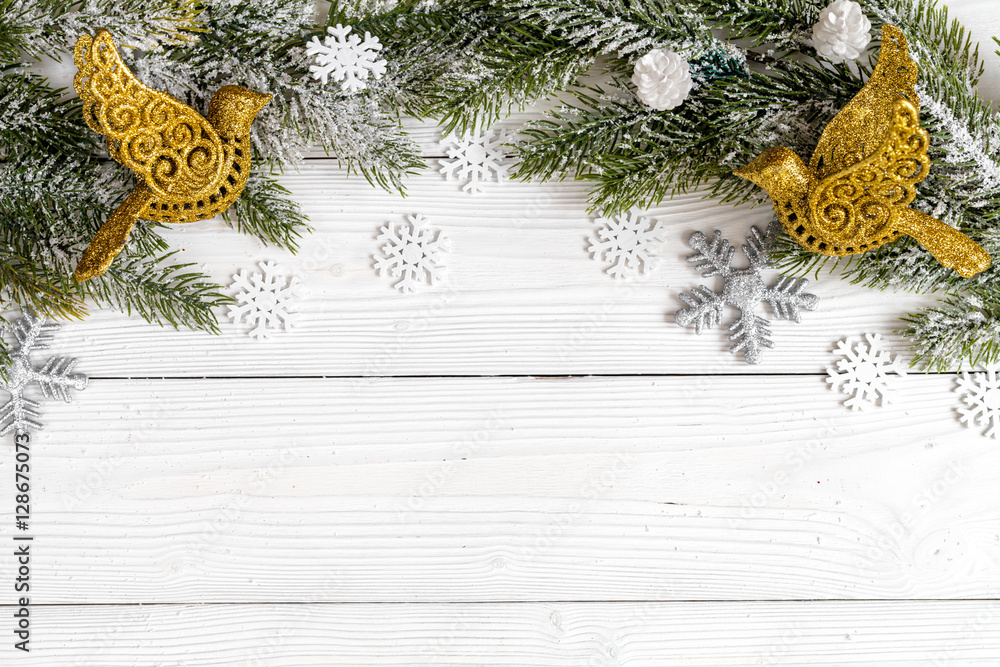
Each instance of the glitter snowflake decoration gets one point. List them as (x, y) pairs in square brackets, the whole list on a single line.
[(628, 241), (412, 252), (55, 378), (744, 290), (345, 57), (265, 300), (865, 372), (475, 160), (981, 392)]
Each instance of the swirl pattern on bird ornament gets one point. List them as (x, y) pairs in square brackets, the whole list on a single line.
[(167, 143), (175, 210), (859, 205)]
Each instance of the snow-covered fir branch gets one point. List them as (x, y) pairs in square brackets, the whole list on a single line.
[(261, 45), (468, 63), (188, 49), (741, 102), (36, 27), (626, 30)]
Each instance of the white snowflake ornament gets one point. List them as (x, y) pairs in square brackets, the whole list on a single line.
[(744, 290), (55, 378), (265, 300), (628, 241), (413, 252), (345, 57), (475, 159), (662, 79), (865, 372), (843, 32), (981, 392)]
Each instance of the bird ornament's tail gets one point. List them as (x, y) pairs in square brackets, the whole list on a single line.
[(110, 239), (948, 245)]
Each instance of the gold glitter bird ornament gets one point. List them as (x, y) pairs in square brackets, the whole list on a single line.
[(855, 195), (188, 166)]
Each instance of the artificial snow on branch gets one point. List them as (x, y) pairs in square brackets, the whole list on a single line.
[(781, 90), (56, 185)]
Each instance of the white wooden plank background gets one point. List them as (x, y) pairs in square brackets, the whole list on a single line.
[(394, 483), (650, 634), (520, 299)]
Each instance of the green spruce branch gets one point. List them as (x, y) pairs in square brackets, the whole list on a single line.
[(757, 84), (57, 185)]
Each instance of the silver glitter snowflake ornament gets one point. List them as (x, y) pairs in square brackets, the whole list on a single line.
[(265, 300), (865, 372), (345, 57), (744, 290), (55, 378), (981, 392), (475, 159), (628, 241), (413, 252)]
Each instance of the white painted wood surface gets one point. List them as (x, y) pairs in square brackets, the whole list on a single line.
[(476, 489), (523, 296), (648, 634), (243, 503)]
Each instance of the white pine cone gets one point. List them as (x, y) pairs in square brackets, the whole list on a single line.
[(663, 79), (843, 32)]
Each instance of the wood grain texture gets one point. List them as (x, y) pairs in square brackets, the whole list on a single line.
[(586, 521), (980, 18), (508, 489), (523, 297), (873, 634)]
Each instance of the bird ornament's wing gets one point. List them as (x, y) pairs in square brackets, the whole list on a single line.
[(168, 144), (860, 127), (859, 205)]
